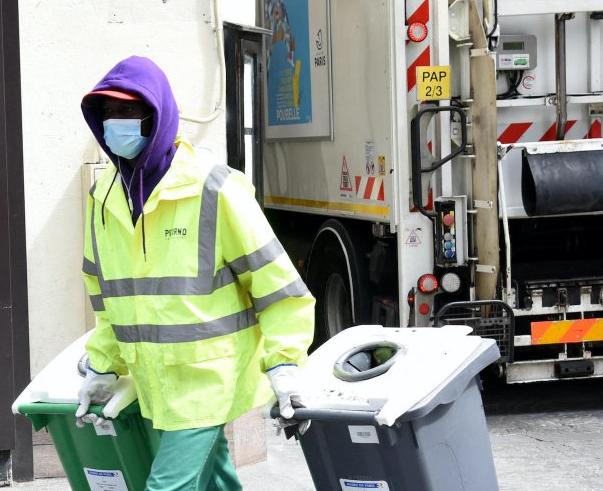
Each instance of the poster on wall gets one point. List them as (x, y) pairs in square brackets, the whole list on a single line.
[(298, 69)]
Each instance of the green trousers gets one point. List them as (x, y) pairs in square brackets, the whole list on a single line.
[(193, 460)]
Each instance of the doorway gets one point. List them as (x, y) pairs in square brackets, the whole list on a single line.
[(242, 53)]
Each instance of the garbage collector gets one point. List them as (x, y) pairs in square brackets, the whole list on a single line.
[(194, 296)]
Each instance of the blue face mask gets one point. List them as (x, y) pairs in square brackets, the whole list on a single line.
[(123, 137)]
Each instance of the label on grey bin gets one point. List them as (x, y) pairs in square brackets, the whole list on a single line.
[(352, 485), (363, 434), (103, 480)]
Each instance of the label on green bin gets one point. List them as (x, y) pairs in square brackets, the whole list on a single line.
[(105, 428), (105, 480), (352, 485)]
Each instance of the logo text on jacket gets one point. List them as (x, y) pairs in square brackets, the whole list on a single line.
[(171, 233)]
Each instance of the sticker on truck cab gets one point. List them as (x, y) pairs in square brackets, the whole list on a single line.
[(433, 83)]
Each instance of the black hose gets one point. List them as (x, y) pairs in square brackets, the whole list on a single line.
[(493, 30), (513, 85)]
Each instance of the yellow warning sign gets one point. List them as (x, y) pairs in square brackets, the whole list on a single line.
[(381, 160), (433, 83)]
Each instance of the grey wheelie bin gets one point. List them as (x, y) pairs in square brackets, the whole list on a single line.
[(397, 410)]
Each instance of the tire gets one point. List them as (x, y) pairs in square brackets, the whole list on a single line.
[(336, 276)]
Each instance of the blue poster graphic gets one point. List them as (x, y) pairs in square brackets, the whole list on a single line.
[(288, 62)]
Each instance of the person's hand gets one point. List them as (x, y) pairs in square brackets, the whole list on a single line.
[(91, 418), (285, 386), (97, 388)]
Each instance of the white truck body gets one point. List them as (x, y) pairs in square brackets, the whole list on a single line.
[(361, 170)]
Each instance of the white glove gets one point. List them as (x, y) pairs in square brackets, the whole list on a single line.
[(91, 418), (285, 386), (97, 388)]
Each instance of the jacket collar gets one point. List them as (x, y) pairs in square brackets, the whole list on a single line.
[(182, 180)]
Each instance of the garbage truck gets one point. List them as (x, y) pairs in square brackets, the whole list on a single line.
[(436, 162)]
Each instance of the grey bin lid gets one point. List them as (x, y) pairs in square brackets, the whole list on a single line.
[(453, 390), (430, 367)]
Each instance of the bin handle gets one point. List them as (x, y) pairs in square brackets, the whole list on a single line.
[(339, 415)]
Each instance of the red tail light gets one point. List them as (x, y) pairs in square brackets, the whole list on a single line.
[(417, 32), (428, 283), (424, 309)]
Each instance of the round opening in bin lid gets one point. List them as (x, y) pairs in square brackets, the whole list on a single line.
[(367, 361)]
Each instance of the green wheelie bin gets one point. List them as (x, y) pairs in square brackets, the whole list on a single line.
[(114, 456)]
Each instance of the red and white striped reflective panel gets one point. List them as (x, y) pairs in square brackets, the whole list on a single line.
[(418, 53), (420, 14), (369, 187), (513, 132), (551, 133), (538, 131), (595, 129), (424, 59), (429, 205)]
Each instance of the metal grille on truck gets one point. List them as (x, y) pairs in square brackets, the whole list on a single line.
[(492, 319)]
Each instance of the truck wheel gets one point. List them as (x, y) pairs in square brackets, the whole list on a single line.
[(335, 276)]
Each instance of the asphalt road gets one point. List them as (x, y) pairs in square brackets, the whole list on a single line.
[(547, 436)]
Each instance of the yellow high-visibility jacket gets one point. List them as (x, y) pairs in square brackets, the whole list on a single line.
[(216, 302)]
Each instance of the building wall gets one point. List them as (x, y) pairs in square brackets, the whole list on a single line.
[(66, 47)]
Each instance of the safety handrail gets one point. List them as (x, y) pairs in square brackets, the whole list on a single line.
[(415, 142)]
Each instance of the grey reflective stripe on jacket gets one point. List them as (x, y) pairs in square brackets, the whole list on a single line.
[(258, 259), (98, 305), (296, 288), (89, 268), (181, 333)]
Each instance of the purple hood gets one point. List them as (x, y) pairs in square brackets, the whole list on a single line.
[(140, 76)]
